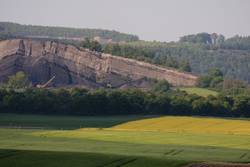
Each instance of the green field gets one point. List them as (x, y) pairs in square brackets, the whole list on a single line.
[(200, 91), (121, 145), (26, 158), (62, 122)]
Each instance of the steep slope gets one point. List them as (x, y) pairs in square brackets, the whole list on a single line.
[(45, 59)]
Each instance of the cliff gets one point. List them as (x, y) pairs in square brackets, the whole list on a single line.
[(79, 66)]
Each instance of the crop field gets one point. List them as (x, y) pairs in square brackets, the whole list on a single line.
[(27, 158), (163, 141), (197, 125), (200, 91), (62, 122)]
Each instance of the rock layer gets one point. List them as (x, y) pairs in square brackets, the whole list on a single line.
[(42, 60)]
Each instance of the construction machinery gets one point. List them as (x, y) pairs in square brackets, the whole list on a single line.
[(46, 84)]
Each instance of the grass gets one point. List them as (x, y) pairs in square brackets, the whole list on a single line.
[(200, 91), (62, 122), (163, 141), (184, 139), (13, 158), (117, 144)]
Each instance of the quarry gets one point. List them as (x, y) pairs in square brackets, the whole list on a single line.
[(71, 65)]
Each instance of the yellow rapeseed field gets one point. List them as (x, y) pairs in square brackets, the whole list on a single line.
[(169, 130), (188, 125)]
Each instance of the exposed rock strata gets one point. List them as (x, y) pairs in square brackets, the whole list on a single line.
[(71, 65)]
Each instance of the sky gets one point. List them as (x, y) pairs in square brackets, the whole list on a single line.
[(160, 20)]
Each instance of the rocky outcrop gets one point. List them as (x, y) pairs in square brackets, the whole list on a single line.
[(42, 60)]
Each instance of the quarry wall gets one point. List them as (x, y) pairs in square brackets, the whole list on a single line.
[(71, 65)]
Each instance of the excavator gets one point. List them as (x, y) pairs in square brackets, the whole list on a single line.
[(46, 84)]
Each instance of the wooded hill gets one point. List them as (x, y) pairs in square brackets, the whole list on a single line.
[(196, 53), (14, 29)]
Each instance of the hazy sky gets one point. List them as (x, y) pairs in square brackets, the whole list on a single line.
[(162, 20)]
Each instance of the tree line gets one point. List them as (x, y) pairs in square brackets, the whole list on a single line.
[(121, 102), (18, 96), (13, 29)]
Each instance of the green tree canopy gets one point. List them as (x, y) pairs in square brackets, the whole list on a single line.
[(161, 86), (18, 81), (214, 79), (92, 45)]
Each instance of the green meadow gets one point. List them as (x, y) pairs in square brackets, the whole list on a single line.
[(200, 91), (62, 122)]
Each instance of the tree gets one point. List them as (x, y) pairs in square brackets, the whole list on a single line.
[(202, 38), (214, 79), (201, 106), (185, 66), (161, 86), (92, 45), (241, 106), (204, 81), (216, 82), (215, 72), (235, 87), (18, 81)]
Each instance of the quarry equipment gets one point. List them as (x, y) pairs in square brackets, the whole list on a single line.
[(46, 84)]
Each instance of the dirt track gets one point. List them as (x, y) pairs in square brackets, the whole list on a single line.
[(217, 165)]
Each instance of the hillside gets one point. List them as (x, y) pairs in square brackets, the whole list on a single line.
[(14, 29), (231, 56), (42, 60)]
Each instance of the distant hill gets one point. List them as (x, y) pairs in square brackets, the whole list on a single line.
[(13, 29)]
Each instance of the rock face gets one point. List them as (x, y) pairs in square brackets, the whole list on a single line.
[(78, 66)]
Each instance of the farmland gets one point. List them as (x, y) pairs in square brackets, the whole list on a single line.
[(197, 125), (26, 158), (175, 141), (62, 122)]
